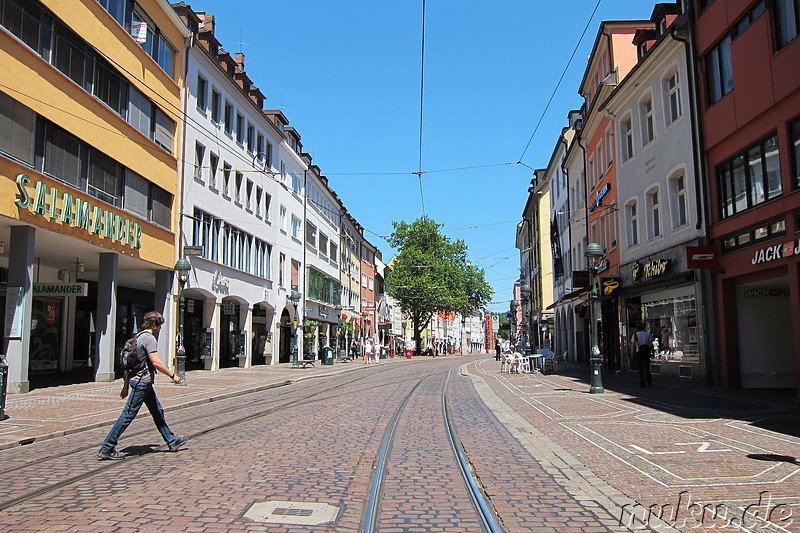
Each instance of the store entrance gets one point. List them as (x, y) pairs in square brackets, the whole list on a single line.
[(194, 334), (764, 326), (230, 345), (285, 349)]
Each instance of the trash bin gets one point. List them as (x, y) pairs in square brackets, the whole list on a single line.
[(327, 355), (3, 385), (384, 352)]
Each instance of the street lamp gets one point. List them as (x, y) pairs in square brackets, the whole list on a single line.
[(593, 254), (338, 327), (182, 268), (515, 323), (529, 323), (294, 299)]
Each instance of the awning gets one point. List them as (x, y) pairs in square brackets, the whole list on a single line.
[(569, 296)]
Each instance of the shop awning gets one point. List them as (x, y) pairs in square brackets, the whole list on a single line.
[(569, 296)]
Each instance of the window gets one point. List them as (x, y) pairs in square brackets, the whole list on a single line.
[(248, 195), (654, 220), (592, 173), (648, 125), (679, 201), (281, 269), (109, 87), (213, 163), (164, 134), (140, 112), (119, 9), (601, 165), (199, 157), (719, 70), (295, 227), (323, 244), (239, 128), (295, 275), (267, 202), (787, 13), (228, 118), (259, 196), (632, 212), (69, 53), (250, 138), (105, 178), (363, 280), (612, 228), (311, 235), (283, 218), (215, 100), (237, 194), (202, 91), (672, 89), (750, 178), (795, 133), (17, 128), (260, 148), (334, 254), (226, 179), (609, 149), (296, 183), (627, 134), (152, 41)]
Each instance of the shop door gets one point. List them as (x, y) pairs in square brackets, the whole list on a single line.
[(45, 349), (765, 335), (194, 335), (229, 336), (285, 347)]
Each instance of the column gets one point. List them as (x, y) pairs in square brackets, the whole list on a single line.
[(19, 304), (161, 303), (106, 317)]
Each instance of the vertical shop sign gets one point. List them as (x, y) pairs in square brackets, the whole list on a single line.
[(51, 312)]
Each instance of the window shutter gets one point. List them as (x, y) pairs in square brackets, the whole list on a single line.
[(160, 207), (62, 156), (17, 124), (140, 111), (165, 131), (136, 193)]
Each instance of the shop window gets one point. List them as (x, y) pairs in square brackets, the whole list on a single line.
[(673, 324)]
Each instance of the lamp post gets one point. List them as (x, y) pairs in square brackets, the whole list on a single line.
[(593, 254), (529, 323), (182, 268), (294, 299), (338, 327), (515, 323)]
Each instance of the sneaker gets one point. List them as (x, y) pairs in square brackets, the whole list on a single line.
[(109, 455), (177, 443)]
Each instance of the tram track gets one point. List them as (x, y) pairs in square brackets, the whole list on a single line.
[(76, 452), (487, 516)]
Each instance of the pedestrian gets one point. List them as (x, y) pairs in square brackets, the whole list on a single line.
[(496, 350), (642, 346), (142, 392)]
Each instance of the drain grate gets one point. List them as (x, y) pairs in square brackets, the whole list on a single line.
[(285, 511), (294, 513)]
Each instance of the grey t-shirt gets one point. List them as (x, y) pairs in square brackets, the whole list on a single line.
[(146, 344)]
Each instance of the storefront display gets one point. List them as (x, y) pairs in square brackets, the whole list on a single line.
[(671, 317)]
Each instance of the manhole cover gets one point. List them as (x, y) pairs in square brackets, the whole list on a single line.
[(297, 513)]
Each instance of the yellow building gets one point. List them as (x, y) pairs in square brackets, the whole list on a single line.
[(90, 113)]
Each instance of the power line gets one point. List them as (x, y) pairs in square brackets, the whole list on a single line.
[(571, 57)]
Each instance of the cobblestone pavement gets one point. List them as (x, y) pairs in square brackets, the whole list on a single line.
[(551, 456)]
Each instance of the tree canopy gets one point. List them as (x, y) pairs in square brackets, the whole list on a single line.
[(431, 274)]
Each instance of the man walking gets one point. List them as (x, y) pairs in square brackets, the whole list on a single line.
[(642, 346), (142, 392)]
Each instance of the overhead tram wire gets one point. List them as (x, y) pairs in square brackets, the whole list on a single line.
[(421, 100), (555, 90)]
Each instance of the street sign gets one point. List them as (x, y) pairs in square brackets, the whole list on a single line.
[(192, 250)]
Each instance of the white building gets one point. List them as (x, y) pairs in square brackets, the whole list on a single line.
[(240, 225)]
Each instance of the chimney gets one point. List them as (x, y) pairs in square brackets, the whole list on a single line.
[(239, 58), (206, 21)]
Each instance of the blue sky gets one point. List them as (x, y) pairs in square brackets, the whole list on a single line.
[(347, 76)]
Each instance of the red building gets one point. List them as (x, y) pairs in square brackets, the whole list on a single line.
[(748, 53)]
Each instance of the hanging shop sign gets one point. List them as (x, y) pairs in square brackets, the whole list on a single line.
[(598, 197), (702, 257), (61, 289), (76, 212), (776, 251), (610, 286), (650, 270)]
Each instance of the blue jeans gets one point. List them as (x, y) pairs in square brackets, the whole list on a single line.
[(140, 393)]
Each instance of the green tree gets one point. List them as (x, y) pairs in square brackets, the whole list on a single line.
[(431, 274)]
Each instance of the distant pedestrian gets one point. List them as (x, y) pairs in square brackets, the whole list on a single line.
[(142, 392), (496, 350), (642, 346)]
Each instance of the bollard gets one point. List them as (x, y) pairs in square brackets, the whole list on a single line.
[(3, 385)]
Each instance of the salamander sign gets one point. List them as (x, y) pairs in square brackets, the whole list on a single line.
[(60, 289), (76, 212)]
